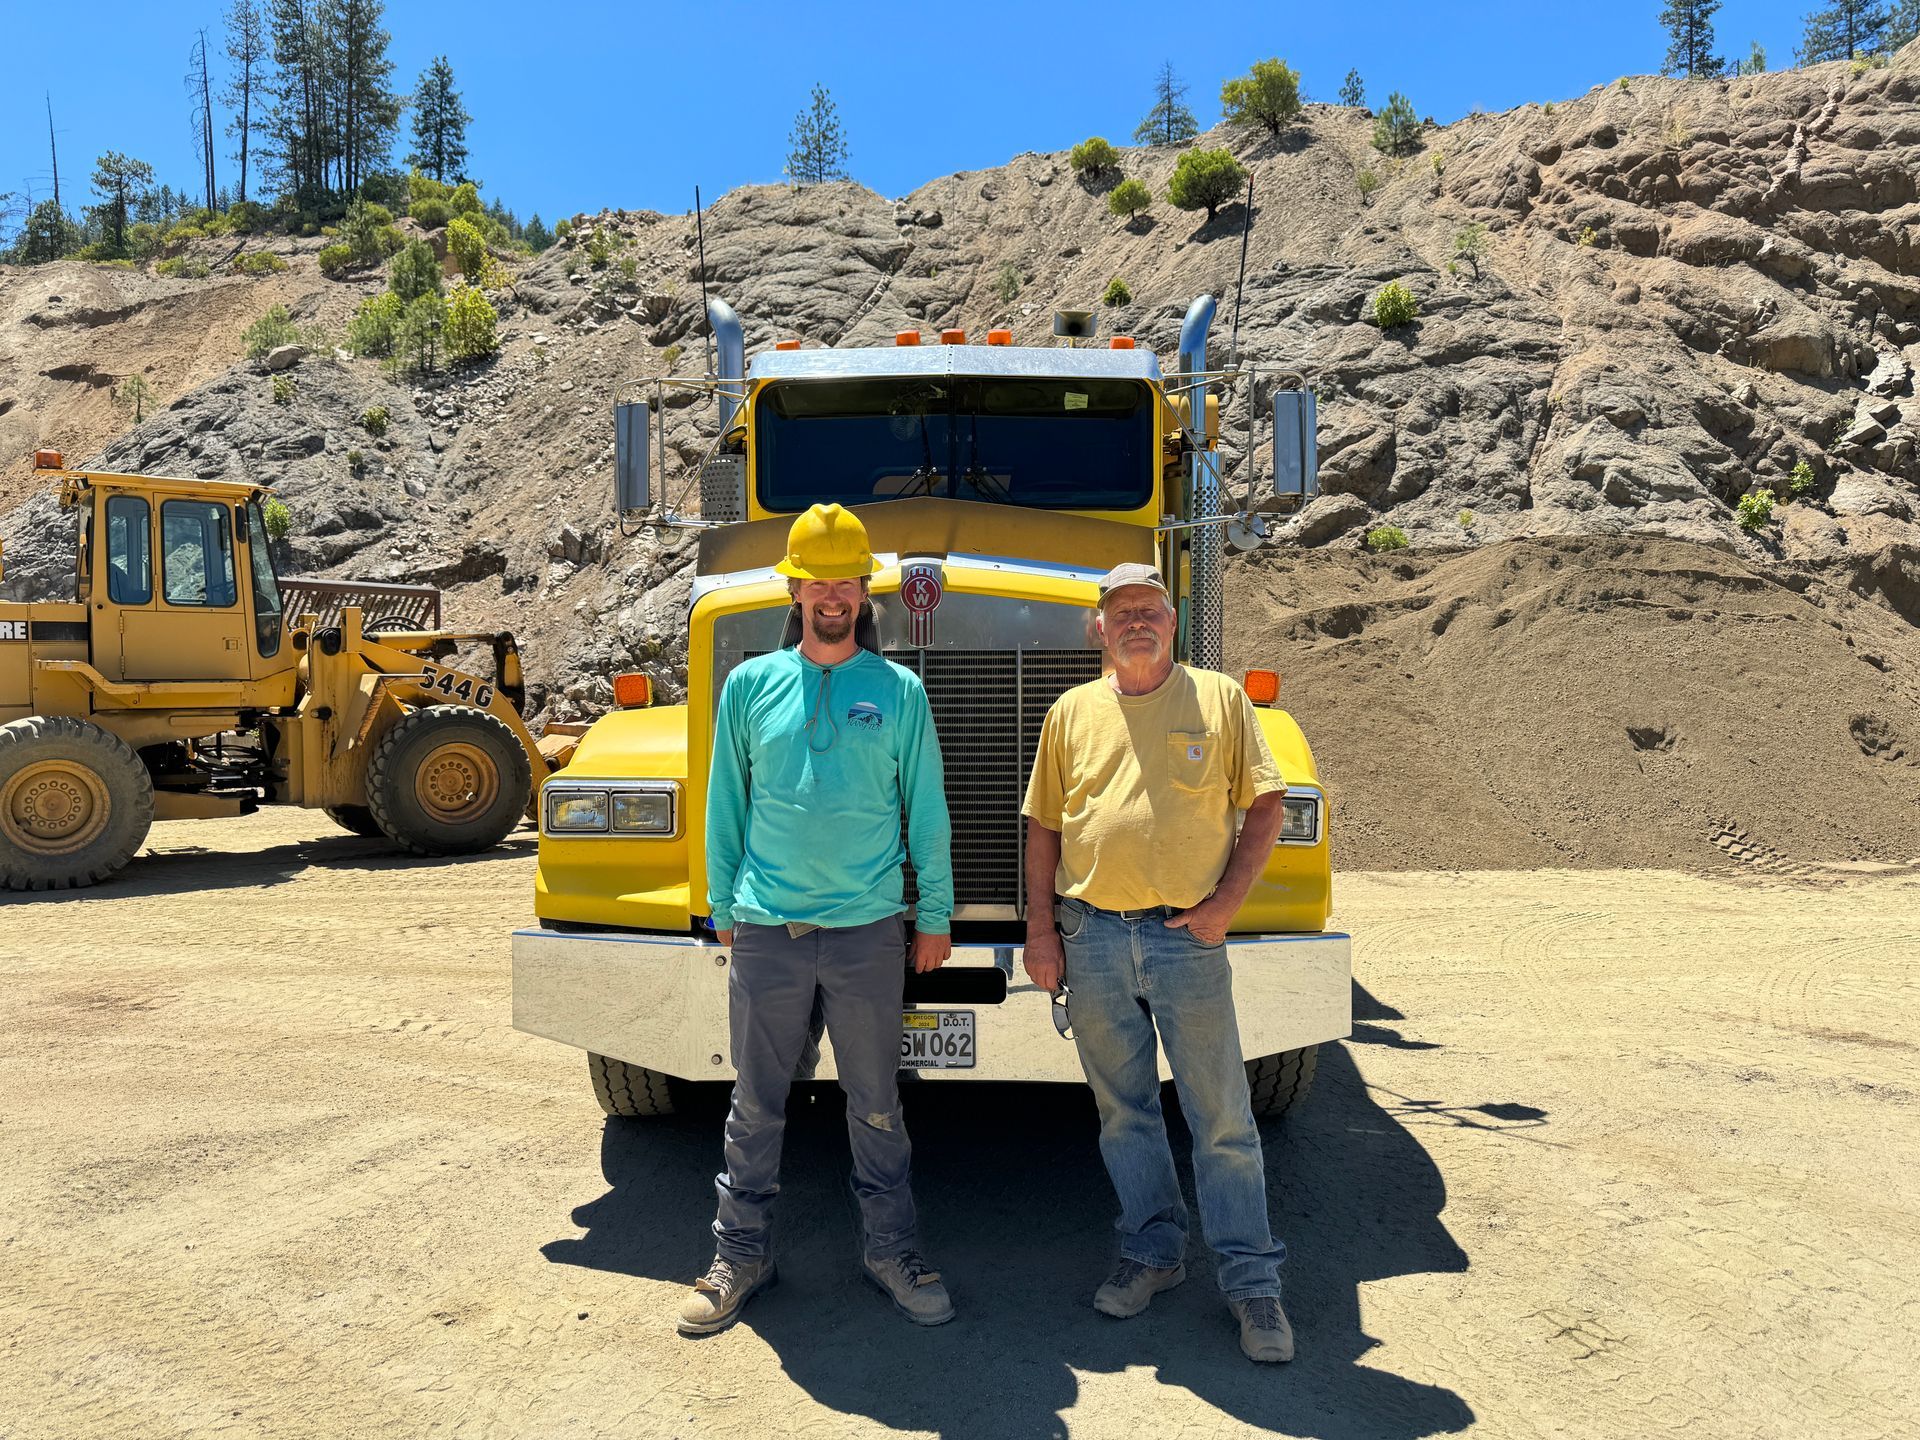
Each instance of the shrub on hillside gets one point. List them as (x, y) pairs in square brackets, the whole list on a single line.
[(465, 199), (1382, 538), (285, 387), (277, 518), (1128, 199), (1093, 157), (1006, 286), (599, 252), (1801, 479), (467, 246), (471, 319), (1205, 180), (417, 338), (271, 330), (1394, 306), (431, 214), (182, 267), (258, 262), (374, 421), (1366, 182), (336, 260), (370, 332), (1755, 511), (414, 272), (1116, 293), (562, 230)]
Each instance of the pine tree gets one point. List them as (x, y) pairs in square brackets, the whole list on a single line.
[(200, 94), (247, 49), (119, 182), (366, 112), (1756, 61), (47, 235), (293, 122), (537, 236), (1690, 24), (1903, 24), (1169, 121), (817, 145), (1353, 91), (1852, 28), (1267, 95), (439, 125), (1396, 130)]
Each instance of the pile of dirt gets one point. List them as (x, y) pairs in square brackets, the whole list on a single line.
[(1599, 702)]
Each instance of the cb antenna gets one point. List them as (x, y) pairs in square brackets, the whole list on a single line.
[(1240, 285)]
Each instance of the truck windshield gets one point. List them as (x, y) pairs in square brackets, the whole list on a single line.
[(1047, 444)]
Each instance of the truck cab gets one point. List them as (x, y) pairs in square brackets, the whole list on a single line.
[(997, 483)]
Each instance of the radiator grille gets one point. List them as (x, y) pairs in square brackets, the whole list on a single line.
[(988, 706)]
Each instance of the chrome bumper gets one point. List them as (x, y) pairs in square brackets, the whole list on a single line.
[(661, 1001)]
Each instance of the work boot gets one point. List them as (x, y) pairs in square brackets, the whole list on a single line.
[(722, 1293), (1264, 1332), (1132, 1286), (915, 1290)]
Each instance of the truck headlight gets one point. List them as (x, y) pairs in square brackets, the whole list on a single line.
[(647, 812), (1300, 818), (576, 812)]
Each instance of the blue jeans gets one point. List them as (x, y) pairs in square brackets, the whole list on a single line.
[(1129, 977), (858, 973)]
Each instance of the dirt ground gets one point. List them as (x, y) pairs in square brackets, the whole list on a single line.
[(1610, 1153)]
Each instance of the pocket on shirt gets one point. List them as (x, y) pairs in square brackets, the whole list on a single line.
[(1193, 760)]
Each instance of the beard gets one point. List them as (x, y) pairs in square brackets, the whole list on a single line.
[(830, 630)]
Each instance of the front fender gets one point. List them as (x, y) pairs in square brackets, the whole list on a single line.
[(1294, 893)]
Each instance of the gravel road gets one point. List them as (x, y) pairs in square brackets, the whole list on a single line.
[(1611, 1153)]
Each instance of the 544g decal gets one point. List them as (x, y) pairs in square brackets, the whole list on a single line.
[(455, 686)]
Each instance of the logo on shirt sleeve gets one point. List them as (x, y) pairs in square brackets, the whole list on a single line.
[(866, 714)]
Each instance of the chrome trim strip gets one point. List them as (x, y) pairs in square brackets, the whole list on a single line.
[(1319, 815)]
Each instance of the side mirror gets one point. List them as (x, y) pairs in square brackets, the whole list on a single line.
[(1296, 445), (632, 430)]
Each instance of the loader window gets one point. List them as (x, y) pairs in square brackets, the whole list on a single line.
[(1048, 444), (267, 605), (196, 549), (129, 551)]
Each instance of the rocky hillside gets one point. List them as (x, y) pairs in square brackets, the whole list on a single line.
[(1688, 289)]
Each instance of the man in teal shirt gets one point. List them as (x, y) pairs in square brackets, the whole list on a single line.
[(817, 748)]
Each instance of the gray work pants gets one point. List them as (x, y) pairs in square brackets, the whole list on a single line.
[(859, 974)]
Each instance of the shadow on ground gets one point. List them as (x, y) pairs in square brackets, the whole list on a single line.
[(1015, 1210)]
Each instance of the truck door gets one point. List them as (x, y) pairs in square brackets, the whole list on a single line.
[(197, 628), (121, 578)]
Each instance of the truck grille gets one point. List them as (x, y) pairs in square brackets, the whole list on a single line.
[(988, 706)]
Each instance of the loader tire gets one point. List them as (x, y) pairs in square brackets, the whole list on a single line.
[(630, 1091), (356, 818), (1278, 1084), (447, 780), (75, 803)]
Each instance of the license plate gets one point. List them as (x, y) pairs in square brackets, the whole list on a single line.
[(936, 1040)]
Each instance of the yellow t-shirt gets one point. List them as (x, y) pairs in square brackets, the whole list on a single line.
[(1144, 789)]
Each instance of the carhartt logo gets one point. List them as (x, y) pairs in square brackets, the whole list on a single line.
[(1194, 752), (866, 713)]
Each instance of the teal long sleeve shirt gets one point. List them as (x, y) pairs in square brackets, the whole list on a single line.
[(811, 766)]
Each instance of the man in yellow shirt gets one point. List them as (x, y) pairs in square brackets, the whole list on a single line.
[(1135, 869)]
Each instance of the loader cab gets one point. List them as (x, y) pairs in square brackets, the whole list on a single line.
[(179, 582)]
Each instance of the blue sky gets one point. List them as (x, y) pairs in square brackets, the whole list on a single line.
[(589, 104)]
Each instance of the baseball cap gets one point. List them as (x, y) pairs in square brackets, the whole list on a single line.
[(1132, 573)]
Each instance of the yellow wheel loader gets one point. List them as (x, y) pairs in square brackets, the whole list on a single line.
[(177, 685)]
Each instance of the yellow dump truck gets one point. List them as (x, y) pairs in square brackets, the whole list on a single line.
[(997, 484), (176, 685)]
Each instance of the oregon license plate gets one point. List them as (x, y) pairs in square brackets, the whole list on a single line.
[(936, 1040)]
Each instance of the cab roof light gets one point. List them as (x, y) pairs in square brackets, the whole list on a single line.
[(49, 460), (906, 337), (1262, 686), (1000, 337), (1120, 342), (793, 344), (633, 690), (953, 337)]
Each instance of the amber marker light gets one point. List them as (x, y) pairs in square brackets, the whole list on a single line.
[(786, 344), (999, 337), (1120, 342), (906, 337), (632, 691), (49, 460), (953, 337), (1262, 686)]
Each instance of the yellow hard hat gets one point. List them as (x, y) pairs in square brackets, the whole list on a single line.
[(828, 543)]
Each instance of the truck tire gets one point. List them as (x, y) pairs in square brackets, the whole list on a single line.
[(630, 1091), (356, 818), (1278, 1084), (447, 780), (75, 803)]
